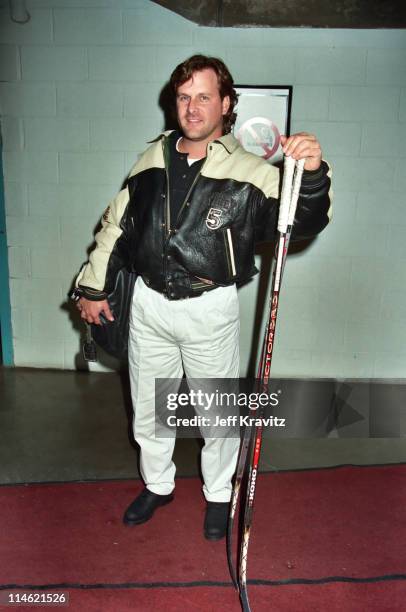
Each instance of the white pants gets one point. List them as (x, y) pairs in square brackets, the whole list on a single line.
[(199, 336)]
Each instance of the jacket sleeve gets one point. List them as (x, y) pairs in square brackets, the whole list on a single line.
[(96, 278), (313, 208)]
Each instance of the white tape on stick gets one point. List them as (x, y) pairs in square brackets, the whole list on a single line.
[(289, 168), (290, 192), (295, 191)]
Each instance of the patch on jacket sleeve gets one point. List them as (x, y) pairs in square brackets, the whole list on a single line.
[(223, 200), (106, 214)]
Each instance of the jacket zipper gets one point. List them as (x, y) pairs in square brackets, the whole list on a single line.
[(167, 206), (167, 212)]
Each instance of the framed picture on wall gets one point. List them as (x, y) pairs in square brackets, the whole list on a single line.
[(263, 114)]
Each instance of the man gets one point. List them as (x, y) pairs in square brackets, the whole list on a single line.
[(187, 221)]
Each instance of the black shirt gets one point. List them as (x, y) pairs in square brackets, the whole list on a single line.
[(181, 177)]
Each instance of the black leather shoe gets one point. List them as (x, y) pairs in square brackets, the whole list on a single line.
[(144, 506), (216, 519)]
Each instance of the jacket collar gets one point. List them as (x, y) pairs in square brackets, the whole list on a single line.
[(161, 136), (229, 142)]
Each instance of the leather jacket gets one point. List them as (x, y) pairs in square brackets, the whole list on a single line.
[(231, 206)]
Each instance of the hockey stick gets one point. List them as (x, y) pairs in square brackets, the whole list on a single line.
[(247, 436), (289, 197), (287, 211)]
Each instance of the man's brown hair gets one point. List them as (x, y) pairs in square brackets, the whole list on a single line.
[(184, 71)]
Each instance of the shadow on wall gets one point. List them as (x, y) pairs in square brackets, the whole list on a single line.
[(167, 105)]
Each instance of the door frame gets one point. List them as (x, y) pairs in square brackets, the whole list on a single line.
[(5, 305)]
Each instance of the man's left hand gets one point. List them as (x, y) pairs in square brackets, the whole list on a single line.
[(303, 145)]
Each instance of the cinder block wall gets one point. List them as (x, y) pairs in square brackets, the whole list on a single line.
[(79, 100)]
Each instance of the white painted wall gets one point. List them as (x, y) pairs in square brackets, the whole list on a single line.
[(79, 90)]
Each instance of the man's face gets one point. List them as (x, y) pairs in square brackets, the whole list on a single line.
[(199, 107)]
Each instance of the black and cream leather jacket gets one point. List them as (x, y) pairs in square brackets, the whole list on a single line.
[(231, 206)]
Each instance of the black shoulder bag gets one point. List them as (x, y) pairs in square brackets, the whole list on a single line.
[(112, 336)]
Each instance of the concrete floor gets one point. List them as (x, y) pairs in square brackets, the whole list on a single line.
[(66, 426)]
